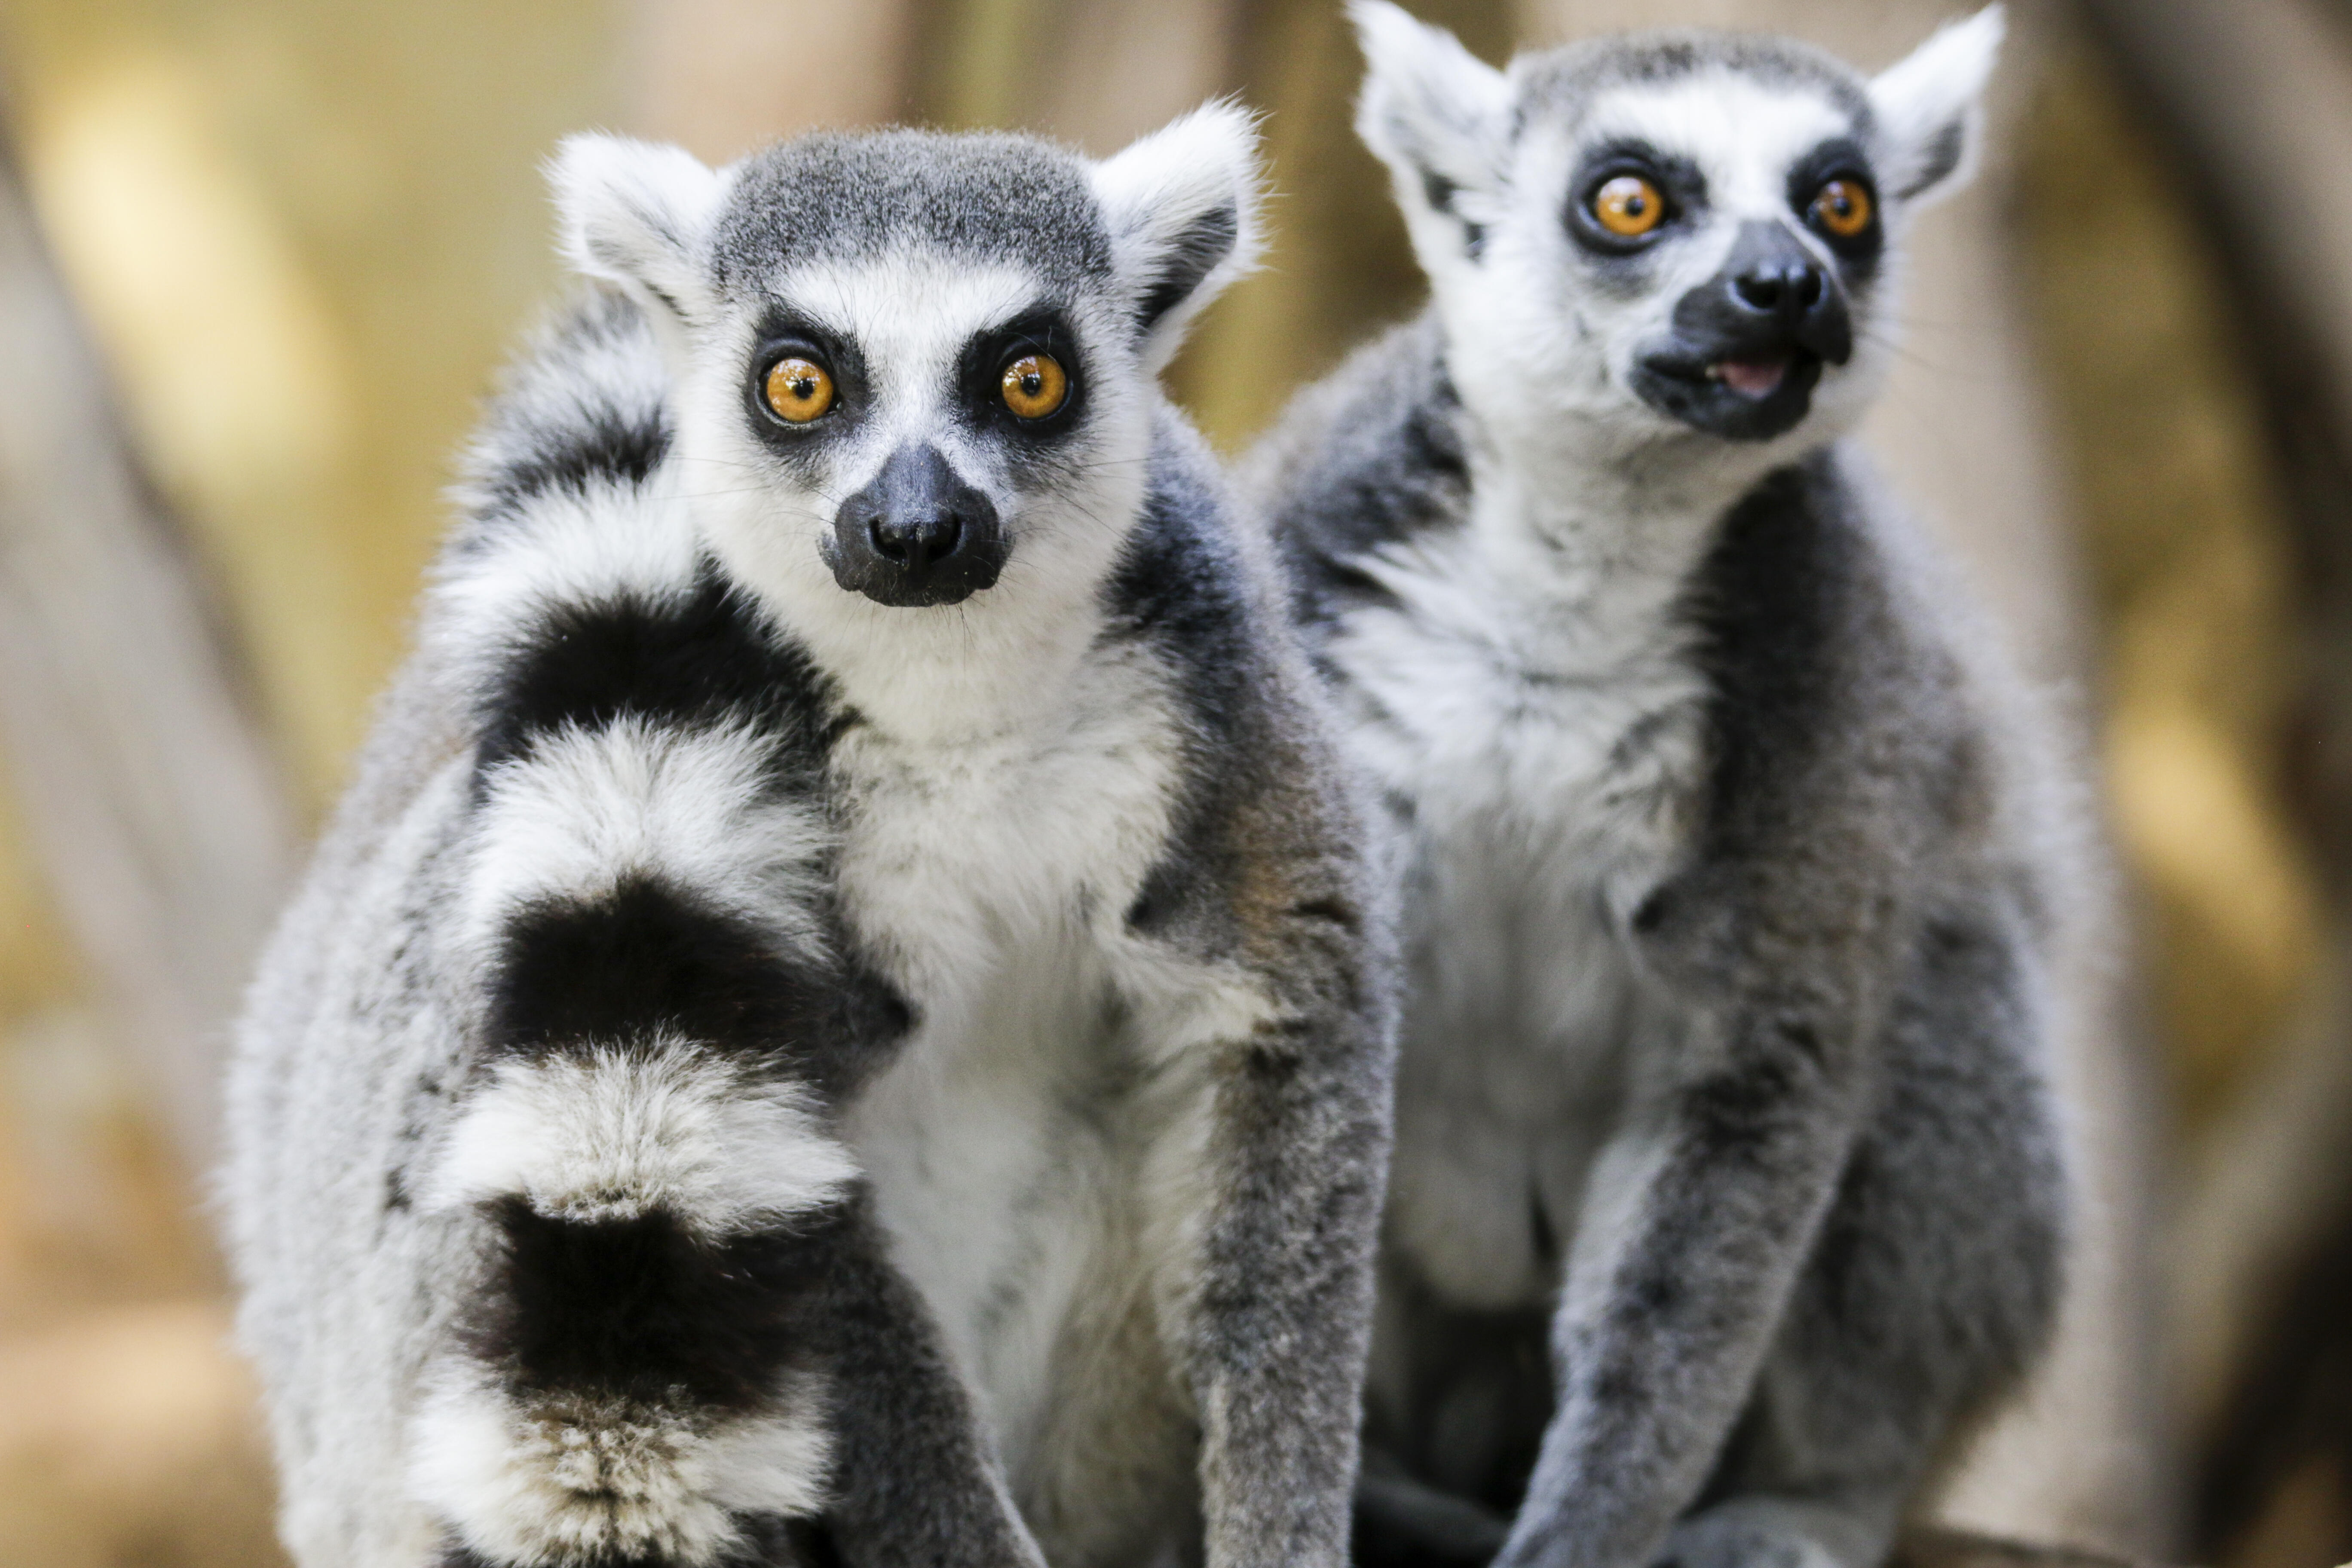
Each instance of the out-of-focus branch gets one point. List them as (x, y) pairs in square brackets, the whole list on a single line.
[(154, 803)]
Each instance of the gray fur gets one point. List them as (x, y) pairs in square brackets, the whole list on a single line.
[(1058, 1144), (1727, 1191), (1558, 83), (853, 195)]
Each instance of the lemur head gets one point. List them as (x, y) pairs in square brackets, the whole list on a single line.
[(1668, 234), (911, 369)]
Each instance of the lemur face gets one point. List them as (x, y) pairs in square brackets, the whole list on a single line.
[(914, 368), (917, 410), (1671, 233), (1723, 239)]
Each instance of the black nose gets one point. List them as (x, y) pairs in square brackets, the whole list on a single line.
[(1771, 292), (917, 535), (914, 542), (1786, 286)]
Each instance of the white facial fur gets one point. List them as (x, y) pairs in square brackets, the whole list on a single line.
[(1179, 211), (1542, 339), (927, 669), (1536, 343)]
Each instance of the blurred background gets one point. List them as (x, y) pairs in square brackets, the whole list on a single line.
[(258, 260)]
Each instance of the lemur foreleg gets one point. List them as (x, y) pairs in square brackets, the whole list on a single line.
[(1703, 1209), (1931, 1279)]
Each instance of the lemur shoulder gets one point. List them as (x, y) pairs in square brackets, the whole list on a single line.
[(1727, 1185), (847, 998)]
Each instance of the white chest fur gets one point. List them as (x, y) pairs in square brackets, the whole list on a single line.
[(1540, 706), (990, 879)]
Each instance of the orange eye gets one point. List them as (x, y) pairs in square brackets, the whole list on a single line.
[(798, 389), (1035, 386), (1628, 206), (1844, 208)]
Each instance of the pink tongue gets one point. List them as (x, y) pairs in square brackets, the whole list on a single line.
[(1752, 377)]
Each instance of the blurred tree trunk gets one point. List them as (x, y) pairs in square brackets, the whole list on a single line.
[(2258, 99), (153, 805)]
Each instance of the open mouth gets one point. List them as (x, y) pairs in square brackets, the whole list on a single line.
[(1751, 394), (1754, 379)]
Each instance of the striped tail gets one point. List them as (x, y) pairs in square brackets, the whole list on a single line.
[(633, 1382)]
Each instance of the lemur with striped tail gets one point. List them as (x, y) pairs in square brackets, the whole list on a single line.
[(848, 996), (1727, 1185)]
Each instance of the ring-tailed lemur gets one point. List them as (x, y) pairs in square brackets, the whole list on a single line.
[(853, 899), (1727, 1182)]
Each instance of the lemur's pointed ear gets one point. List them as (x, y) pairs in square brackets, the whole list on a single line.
[(636, 213), (1181, 205), (1929, 109), (1435, 114)]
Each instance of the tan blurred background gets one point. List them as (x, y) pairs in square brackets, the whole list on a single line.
[(258, 260)]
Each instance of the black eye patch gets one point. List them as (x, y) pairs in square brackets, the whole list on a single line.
[(1839, 159), (785, 334), (1677, 181), (981, 375)]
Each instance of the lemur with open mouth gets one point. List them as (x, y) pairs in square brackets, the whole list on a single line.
[(1728, 1184), (848, 994)]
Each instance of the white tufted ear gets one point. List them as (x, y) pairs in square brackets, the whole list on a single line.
[(1929, 109), (1181, 205), (636, 213), (1436, 115)]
